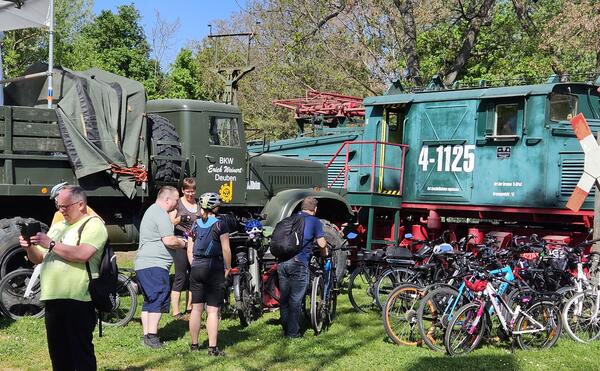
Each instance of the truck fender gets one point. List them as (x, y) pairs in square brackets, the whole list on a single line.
[(332, 206)]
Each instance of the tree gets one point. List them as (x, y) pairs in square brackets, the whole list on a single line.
[(116, 43)]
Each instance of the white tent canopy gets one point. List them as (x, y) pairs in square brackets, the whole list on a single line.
[(17, 14)]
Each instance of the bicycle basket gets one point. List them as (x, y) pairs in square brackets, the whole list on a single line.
[(475, 284)]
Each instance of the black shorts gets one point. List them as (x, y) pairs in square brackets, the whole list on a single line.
[(207, 284)]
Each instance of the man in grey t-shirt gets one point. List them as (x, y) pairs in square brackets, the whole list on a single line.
[(154, 259)]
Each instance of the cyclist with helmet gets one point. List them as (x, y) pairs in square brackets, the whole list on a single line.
[(209, 254)]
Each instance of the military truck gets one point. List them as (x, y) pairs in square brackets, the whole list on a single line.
[(104, 136)]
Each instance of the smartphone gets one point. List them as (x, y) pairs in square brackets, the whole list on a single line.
[(29, 229)]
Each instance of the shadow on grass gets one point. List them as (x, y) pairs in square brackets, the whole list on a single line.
[(5, 322), (173, 330), (309, 352), (485, 362)]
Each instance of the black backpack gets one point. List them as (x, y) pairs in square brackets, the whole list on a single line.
[(287, 238), (103, 290)]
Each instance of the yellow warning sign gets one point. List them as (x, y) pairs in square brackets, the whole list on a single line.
[(226, 192)]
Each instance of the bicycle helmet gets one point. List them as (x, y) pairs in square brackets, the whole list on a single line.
[(209, 201), (442, 248), (57, 188), (253, 227)]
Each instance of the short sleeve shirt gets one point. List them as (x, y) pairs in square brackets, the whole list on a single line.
[(152, 252), (62, 279), (313, 229)]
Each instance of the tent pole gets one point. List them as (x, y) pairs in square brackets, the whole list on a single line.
[(1, 75), (51, 53)]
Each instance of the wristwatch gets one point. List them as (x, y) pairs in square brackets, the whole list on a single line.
[(51, 245)]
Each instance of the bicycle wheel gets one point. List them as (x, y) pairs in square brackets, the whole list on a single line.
[(126, 304), (465, 330), (247, 306), (12, 300), (360, 289), (546, 313), (434, 313), (399, 315), (317, 303), (387, 281), (581, 317)]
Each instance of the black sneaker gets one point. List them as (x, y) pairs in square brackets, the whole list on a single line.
[(215, 351), (194, 347), (152, 341)]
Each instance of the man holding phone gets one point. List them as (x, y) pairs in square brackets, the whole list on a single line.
[(70, 315)]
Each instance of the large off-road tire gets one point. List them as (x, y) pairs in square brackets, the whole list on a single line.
[(165, 143), (12, 256), (335, 238)]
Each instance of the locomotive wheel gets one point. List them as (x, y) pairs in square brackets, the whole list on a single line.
[(165, 143), (12, 256)]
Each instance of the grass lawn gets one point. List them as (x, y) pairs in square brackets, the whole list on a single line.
[(355, 341)]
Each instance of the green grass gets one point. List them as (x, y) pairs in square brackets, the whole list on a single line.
[(355, 341)]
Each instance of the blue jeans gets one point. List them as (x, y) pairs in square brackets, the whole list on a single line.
[(293, 281)]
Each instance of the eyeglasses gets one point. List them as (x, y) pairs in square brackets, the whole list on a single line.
[(65, 207)]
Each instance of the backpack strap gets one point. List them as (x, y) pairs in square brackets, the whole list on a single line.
[(89, 272), (87, 263)]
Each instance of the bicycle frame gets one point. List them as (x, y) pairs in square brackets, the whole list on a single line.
[(508, 276), (498, 304)]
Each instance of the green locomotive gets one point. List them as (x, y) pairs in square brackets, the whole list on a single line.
[(496, 158)]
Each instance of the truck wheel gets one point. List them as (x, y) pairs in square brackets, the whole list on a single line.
[(12, 256), (335, 238), (165, 143)]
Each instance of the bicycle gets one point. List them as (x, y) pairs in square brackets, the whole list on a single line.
[(533, 323), (438, 306), (361, 284), (323, 294), (324, 287), (20, 293)]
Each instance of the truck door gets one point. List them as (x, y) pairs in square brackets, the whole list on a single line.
[(225, 159)]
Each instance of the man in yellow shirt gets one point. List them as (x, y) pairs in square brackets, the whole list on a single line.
[(58, 216), (70, 316)]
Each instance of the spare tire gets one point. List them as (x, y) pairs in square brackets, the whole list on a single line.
[(335, 238), (165, 151)]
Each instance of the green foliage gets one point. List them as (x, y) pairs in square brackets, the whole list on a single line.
[(116, 43)]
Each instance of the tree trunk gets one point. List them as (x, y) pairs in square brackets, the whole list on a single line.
[(470, 39), (409, 44)]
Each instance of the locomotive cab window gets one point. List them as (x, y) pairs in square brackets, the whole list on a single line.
[(223, 131), (562, 106), (506, 120)]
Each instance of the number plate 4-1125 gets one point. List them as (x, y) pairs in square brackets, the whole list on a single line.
[(455, 158)]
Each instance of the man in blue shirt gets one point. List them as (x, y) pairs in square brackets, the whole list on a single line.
[(293, 274)]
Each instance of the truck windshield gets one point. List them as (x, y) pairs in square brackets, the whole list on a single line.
[(224, 132)]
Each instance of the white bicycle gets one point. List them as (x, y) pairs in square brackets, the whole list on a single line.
[(20, 294)]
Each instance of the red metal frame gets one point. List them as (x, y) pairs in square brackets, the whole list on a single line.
[(324, 103), (347, 167)]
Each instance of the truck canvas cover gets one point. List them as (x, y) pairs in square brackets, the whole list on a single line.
[(100, 116)]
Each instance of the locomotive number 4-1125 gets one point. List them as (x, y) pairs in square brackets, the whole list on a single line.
[(457, 158)]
